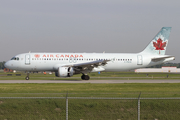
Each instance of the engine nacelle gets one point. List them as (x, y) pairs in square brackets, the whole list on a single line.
[(64, 72)]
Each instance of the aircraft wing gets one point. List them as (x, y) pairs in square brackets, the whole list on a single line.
[(156, 59), (88, 66)]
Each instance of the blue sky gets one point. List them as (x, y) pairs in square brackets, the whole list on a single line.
[(118, 26)]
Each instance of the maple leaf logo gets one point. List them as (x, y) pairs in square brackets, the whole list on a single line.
[(36, 55), (159, 45)]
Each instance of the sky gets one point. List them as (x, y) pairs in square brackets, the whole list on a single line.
[(113, 26)]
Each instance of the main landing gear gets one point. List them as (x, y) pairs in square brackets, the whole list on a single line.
[(85, 77), (27, 77)]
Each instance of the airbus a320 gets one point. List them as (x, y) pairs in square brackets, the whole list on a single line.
[(68, 64)]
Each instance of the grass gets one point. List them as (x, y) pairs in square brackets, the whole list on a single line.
[(87, 109), (88, 89), (90, 109), (93, 76)]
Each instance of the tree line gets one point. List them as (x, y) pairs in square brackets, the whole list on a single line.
[(2, 65)]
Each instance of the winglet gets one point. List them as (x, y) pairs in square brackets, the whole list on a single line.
[(159, 44)]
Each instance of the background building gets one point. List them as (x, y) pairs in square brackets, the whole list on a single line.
[(163, 69)]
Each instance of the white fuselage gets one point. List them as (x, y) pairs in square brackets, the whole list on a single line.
[(67, 64), (51, 61)]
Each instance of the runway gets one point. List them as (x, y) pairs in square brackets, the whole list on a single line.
[(91, 81)]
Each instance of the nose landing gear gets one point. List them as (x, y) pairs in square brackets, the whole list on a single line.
[(27, 77)]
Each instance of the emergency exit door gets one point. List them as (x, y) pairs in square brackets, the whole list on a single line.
[(139, 60)]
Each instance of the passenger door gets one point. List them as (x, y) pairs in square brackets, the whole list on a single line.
[(27, 59)]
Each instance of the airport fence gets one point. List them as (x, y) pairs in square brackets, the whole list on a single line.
[(88, 108)]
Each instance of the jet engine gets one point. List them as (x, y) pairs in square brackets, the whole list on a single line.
[(64, 72)]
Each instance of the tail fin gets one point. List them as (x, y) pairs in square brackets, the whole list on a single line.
[(159, 44)]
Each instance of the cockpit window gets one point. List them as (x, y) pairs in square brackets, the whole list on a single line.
[(15, 58)]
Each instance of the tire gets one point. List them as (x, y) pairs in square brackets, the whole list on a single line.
[(83, 77), (27, 78), (86, 77)]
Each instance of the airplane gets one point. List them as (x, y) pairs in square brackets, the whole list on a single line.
[(68, 64)]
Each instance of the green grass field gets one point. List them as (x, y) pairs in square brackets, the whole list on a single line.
[(95, 90), (93, 76), (90, 109)]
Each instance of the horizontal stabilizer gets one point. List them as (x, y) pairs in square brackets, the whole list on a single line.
[(162, 58)]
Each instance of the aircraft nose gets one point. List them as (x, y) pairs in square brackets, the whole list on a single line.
[(7, 64)]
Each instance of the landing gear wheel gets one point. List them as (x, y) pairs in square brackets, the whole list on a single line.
[(82, 77), (85, 77), (27, 78)]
